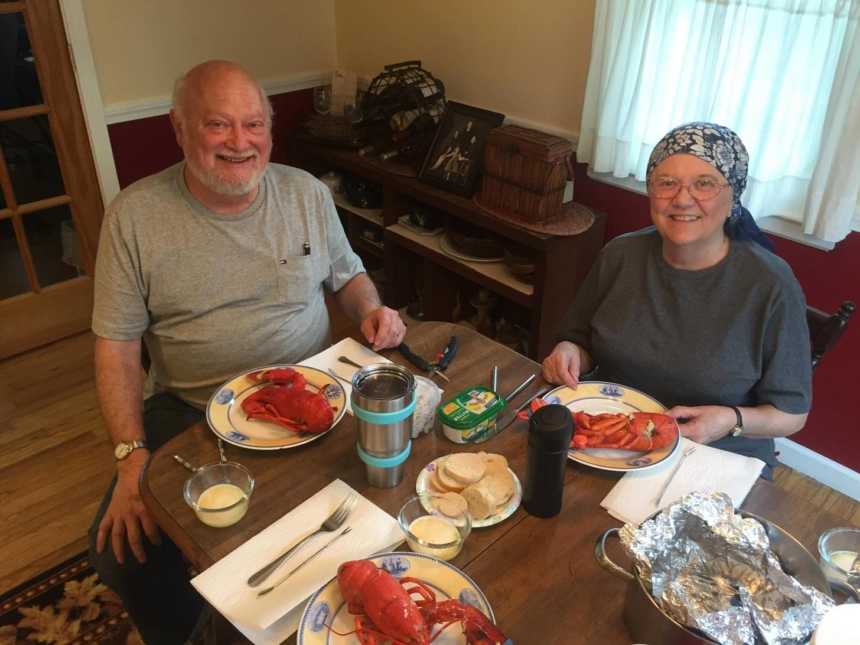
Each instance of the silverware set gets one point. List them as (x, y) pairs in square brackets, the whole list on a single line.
[(332, 523)]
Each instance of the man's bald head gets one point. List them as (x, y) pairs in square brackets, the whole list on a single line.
[(204, 76), (223, 123)]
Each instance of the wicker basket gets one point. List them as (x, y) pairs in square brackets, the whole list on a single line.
[(525, 172)]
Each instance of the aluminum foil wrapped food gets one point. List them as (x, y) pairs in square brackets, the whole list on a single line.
[(714, 570)]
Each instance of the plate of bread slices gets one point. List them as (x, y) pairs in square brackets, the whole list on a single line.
[(481, 482)]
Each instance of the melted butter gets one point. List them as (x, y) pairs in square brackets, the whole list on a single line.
[(222, 505), (434, 530)]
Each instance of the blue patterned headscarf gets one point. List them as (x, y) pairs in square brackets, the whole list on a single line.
[(724, 150)]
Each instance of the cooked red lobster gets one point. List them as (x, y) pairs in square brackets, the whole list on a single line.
[(641, 431), (386, 612), (287, 402)]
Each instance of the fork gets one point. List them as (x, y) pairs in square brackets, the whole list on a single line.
[(332, 523)]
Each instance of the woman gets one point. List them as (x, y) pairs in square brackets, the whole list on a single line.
[(696, 310)]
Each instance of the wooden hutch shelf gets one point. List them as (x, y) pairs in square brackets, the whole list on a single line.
[(411, 258)]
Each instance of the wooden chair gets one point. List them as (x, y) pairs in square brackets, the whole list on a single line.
[(825, 329)]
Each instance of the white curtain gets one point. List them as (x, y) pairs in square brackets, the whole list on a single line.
[(783, 74)]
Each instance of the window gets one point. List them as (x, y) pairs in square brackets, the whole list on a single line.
[(784, 74)]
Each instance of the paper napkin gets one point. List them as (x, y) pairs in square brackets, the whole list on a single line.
[(327, 360), (274, 617), (706, 469)]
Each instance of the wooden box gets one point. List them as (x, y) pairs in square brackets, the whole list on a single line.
[(525, 172)]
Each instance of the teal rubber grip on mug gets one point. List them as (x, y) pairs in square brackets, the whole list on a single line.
[(384, 462), (384, 418)]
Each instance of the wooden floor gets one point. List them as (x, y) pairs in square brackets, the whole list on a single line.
[(56, 460)]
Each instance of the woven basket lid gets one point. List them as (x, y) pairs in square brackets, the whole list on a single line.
[(573, 219)]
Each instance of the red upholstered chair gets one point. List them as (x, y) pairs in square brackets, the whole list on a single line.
[(825, 329)]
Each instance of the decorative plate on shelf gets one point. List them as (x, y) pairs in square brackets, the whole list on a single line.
[(326, 616), (596, 397), (226, 418)]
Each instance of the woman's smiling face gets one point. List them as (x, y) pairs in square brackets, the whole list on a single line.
[(683, 221)]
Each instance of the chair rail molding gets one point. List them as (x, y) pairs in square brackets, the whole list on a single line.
[(818, 467)]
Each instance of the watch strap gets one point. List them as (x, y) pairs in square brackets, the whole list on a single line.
[(739, 424), (124, 448)]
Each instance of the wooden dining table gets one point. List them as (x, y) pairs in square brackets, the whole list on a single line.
[(539, 574)]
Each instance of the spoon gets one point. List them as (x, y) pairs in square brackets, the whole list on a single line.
[(184, 463), (853, 577), (349, 361), (221, 451)]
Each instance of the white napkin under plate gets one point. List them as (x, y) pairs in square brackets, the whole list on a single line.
[(706, 469), (271, 618), (327, 359)]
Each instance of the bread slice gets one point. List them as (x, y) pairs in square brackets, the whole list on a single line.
[(444, 481), (499, 485), (450, 504), (480, 503), (464, 467), (492, 459)]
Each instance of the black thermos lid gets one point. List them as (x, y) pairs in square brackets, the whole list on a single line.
[(552, 426)]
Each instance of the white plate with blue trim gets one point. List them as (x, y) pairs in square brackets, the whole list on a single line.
[(597, 397), (227, 420), (326, 611)]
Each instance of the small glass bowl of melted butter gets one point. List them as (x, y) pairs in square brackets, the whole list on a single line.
[(431, 532), (219, 493)]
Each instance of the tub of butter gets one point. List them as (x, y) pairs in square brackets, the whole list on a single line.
[(471, 414)]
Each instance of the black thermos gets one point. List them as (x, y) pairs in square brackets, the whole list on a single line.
[(549, 438)]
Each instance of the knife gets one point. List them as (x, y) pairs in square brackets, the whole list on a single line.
[(519, 388), (513, 418), (305, 561)]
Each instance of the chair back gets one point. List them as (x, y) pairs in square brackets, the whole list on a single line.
[(825, 329)]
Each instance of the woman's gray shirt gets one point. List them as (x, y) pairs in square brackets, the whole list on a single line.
[(213, 295), (731, 334)]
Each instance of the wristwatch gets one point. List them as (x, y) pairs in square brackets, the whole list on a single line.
[(124, 448), (739, 424)]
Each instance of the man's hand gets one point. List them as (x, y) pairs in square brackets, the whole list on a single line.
[(563, 366), (704, 423), (383, 328), (126, 514)]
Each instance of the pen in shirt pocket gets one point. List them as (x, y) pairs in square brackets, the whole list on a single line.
[(306, 248)]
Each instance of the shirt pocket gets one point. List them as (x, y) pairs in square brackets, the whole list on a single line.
[(298, 279)]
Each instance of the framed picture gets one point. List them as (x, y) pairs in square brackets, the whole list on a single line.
[(457, 153)]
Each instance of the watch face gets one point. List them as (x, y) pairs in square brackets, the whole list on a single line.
[(122, 450)]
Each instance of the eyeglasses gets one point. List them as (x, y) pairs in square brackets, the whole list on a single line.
[(703, 188)]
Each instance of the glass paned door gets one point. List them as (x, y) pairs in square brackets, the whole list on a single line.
[(49, 214)]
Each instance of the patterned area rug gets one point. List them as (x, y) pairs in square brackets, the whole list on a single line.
[(67, 604)]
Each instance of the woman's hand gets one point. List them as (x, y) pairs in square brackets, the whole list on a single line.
[(707, 423), (565, 364), (704, 423)]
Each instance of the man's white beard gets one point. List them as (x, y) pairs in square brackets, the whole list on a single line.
[(223, 186)]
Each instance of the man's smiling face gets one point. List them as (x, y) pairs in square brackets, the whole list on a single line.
[(224, 129)]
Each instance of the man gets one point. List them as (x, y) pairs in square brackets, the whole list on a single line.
[(219, 264)]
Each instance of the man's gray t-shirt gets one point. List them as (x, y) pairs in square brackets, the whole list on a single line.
[(731, 334), (213, 295)]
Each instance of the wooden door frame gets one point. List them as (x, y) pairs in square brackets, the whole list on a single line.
[(31, 319)]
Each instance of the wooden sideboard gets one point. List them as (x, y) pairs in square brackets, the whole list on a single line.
[(414, 262)]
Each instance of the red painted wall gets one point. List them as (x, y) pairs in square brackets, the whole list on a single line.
[(827, 278), (147, 145)]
